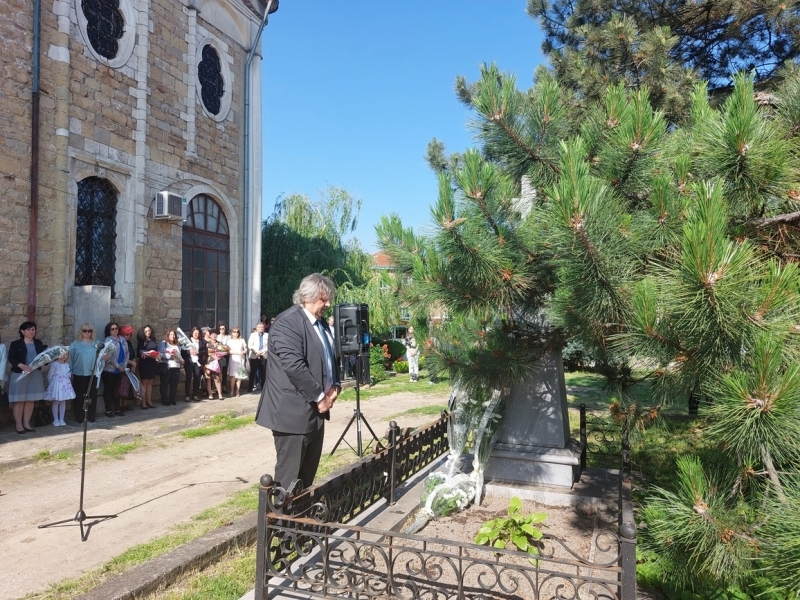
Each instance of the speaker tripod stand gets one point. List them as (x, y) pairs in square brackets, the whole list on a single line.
[(81, 516), (357, 418)]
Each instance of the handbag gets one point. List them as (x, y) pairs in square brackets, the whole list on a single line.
[(213, 366), (123, 387)]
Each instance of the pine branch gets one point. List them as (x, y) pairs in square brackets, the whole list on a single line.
[(784, 218), (528, 150)]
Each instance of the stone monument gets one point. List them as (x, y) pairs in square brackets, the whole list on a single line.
[(533, 444)]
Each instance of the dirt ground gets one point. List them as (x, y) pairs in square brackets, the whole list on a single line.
[(166, 481)]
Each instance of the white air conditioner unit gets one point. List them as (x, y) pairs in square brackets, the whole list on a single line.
[(168, 206)]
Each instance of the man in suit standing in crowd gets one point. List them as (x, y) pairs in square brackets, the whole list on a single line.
[(302, 382)]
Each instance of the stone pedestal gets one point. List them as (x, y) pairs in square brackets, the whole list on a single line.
[(533, 444)]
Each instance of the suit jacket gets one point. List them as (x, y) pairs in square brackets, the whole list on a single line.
[(18, 353), (295, 375)]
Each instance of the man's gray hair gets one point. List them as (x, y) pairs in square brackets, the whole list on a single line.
[(312, 287)]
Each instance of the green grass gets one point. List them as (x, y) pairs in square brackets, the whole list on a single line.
[(46, 455), (398, 384), (433, 411), (231, 577), (118, 450), (217, 423)]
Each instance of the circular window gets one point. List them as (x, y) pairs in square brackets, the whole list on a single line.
[(213, 78), (107, 29)]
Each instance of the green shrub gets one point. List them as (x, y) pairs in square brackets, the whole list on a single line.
[(376, 366), (400, 366), (396, 349)]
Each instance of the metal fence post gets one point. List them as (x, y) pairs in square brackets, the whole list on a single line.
[(262, 552), (627, 538), (394, 440), (583, 437)]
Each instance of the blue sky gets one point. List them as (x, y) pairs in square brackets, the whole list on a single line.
[(355, 90)]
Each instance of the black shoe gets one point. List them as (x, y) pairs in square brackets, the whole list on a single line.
[(109, 414), (119, 413), (23, 432), (29, 429)]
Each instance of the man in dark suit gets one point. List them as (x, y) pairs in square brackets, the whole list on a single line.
[(302, 382)]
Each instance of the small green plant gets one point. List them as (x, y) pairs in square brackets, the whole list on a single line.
[(516, 529), (400, 366), (118, 450), (217, 423), (46, 455)]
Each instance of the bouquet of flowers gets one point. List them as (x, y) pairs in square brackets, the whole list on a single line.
[(241, 372), (135, 384), (46, 357), (183, 340), (151, 354), (108, 351)]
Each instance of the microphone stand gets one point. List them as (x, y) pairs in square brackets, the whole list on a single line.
[(357, 416), (81, 516)]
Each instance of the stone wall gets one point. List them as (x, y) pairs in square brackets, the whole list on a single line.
[(138, 124)]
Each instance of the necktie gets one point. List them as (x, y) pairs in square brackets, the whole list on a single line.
[(260, 341), (328, 350)]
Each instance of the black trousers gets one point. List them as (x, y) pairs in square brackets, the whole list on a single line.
[(258, 367), (80, 383), (168, 385), (298, 456), (110, 382), (193, 374)]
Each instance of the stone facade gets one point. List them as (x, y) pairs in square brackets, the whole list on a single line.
[(137, 121)]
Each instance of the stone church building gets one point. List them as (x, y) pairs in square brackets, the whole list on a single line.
[(130, 164)]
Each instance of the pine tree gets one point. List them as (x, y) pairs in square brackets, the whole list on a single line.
[(713, 38), (669, 251)]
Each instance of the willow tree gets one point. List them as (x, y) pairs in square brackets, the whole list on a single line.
[(670, 251), (303, 236)]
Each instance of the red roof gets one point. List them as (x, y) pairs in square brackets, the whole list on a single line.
[(381, 260)]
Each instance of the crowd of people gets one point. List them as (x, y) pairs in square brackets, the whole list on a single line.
[(214, 360)]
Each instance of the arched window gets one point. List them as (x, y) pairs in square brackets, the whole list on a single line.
[(96, 233), (206, 264)]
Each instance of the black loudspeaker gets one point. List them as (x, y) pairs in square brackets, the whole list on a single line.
[(352, 328)]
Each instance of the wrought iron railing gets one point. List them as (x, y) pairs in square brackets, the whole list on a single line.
[(343, 562), (306, 545), (604, 438), (348, 492)]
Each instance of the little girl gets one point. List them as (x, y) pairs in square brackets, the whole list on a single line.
[(60, 389)]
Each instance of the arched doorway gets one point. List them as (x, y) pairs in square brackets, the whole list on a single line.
[(206, 265)]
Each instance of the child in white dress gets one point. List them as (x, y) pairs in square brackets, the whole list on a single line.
[(59, 390)]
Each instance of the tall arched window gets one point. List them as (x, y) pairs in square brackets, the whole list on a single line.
[(206, 264), (96, 233)]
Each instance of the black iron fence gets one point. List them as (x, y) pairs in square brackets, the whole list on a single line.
[(606, 440), (305, 545)]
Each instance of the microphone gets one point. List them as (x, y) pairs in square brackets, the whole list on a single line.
[(100, 345)]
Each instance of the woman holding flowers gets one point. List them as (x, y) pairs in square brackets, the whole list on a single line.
[(82, 356), (215, 354), (194, 360), (113, 370), (24, 391), (149, 359)]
